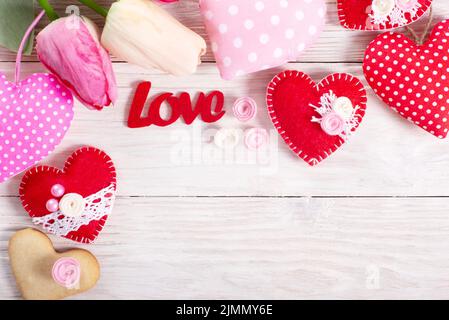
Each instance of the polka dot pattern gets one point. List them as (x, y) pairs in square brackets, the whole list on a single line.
[(34, 117), (413, 80), (355, 15), (253, 35)]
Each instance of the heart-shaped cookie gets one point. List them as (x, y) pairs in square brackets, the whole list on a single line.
[(73, 203), (413, 80), (315, 119), (380, 14), (35, 115), (32, 258), (252, 35)]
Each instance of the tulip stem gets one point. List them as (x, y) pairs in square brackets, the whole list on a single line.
[(49, 11), (94, 6)]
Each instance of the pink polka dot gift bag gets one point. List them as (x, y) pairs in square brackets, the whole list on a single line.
[(252, 35), (35, 114)]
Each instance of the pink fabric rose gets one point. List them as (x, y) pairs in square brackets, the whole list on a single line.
[(406, 4), (332, 124), (66, 272)]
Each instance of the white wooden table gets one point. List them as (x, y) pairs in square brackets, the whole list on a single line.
[(372, 221)]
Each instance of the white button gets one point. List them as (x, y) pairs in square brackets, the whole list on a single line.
[(343, 107), (72, 205)]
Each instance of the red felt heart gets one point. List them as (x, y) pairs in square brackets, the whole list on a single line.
[(88, 172), (290, 97), (413, 80), (358, 14)]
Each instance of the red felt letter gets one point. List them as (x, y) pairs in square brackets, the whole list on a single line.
[(155, 110), (209, 114), (182, 106), (135, 119), (188, 113)]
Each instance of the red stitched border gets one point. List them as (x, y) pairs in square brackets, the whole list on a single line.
[(293, 73), (68, 162)]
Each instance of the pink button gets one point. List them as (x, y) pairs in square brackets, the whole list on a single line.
[(57, 190), (52, 205)]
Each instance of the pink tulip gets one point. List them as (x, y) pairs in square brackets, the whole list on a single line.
[(70, 48)]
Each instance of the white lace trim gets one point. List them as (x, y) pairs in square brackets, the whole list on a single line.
[(326, 102), (395, 17), (97, 206)]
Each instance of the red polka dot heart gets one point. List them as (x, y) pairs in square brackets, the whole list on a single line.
[(35, 114), (413, 79)]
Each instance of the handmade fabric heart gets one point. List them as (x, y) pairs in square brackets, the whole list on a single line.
[(42, 273), (73, 203), (252, 35), (380, 14), (413, 79), (35, 115), (315, 119)]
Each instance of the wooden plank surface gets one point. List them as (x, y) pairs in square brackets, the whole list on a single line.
[(369, 222), (386, 157), (208, 248)]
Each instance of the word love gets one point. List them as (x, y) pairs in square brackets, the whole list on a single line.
[(208, 106)]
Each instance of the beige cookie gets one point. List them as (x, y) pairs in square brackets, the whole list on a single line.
[(32, 257)]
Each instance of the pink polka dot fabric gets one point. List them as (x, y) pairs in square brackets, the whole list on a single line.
[(35, 114), (253, 35)]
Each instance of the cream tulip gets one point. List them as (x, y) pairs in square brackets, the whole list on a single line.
[(142, 33)]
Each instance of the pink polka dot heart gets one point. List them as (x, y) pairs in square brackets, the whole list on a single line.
[(35, 114), (413, 80), (252, 35)]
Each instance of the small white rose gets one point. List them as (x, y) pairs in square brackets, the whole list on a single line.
[(383, 7), (72, 205), (227, 138), (343, 107)]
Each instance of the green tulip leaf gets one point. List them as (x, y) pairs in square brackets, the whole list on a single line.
[(15, 18)]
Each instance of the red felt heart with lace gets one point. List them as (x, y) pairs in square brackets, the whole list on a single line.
[(413, 80), (380, 15), (84, 192), (296, 103)]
